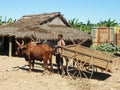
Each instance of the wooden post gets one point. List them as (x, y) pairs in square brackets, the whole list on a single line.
[(2, 44), (10, 46)]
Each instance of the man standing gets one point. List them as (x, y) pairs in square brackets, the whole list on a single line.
[(59, 59)]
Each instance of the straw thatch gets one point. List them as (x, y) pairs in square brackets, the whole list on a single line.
[(42, 26)]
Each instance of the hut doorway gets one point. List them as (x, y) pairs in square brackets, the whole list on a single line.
[(7, 46)]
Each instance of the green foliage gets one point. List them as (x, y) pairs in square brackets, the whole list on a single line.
[(107, 48), (9, 20), (108, 23), (86, 27), (75, 23), (0, 20)]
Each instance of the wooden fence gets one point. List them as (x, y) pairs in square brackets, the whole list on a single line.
[(102, 35)]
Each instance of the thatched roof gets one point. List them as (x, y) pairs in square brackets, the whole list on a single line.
[(42, 26)]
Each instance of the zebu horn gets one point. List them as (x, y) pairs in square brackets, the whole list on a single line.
[(17, 42), (22, 42)]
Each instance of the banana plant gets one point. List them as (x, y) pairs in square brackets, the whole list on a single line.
[(75, 23), (108, 23), (9, 20), (0, 20)]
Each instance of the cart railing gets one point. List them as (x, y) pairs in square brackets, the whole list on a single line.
[(99, 59)]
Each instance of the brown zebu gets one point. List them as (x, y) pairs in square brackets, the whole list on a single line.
[(33, 52)]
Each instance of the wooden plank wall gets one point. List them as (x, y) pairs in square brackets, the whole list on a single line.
[(117, 35), (102, 35)]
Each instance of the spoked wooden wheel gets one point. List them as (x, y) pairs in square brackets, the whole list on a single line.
[(77, 69)]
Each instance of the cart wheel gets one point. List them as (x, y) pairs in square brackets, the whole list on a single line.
[(77, 69)]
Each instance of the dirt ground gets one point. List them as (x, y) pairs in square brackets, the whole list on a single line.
[(14, 76)]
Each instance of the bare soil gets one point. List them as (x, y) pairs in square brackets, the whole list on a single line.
[(14, 76)]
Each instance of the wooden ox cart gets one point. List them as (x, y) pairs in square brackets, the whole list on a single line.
[(83, 61)]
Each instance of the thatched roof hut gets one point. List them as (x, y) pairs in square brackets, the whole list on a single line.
[(43, 27)]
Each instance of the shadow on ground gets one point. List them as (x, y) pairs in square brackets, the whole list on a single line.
[(96, 75)]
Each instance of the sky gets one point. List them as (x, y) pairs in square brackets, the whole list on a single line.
[(84, 10)]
